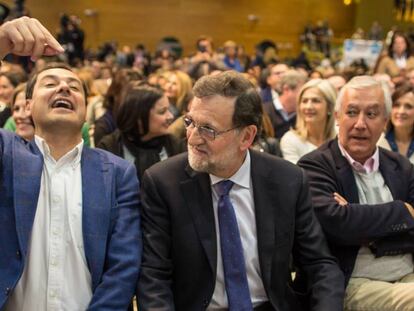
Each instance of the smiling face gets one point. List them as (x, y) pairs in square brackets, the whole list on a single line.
[(402, 113), (172, 87), (159, 120), (361, 121), (223, 155), (58, 102), (313, 107), (21, 117)]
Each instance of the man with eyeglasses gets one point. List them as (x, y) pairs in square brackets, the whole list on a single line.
[(220, 223)]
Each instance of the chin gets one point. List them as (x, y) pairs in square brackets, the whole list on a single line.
[(198, 164)]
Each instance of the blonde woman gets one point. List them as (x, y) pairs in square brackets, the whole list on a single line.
[(177, 87), (315, 122)]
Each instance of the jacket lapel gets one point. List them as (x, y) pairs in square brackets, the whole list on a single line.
[(197, 193), (269, 214), (390, 173), (97, 203), (27, 171), (345, 174)]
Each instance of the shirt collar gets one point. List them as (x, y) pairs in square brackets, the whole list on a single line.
[(370, 165), (241, 177), (279, 107), (72, 157)]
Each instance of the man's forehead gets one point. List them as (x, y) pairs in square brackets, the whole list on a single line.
[(213, 100), (372, 95), (60, 73), (210, 108)]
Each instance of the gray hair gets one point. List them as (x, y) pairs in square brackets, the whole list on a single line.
[(291, 78), (365, 82)]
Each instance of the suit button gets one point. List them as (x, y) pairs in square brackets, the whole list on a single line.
[(18, 255), (205, 303), (7, 291)]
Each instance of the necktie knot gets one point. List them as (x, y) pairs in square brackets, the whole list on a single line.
[(223, 187)]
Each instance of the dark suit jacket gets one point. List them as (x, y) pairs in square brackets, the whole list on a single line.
[(180, 249), (110, 219), (386, 227), (279, 124)]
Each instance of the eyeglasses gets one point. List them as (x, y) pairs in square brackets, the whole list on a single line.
[(205, 131)]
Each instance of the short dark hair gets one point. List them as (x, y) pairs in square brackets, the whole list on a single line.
[(135, 108), (248, 105), (33, 79)]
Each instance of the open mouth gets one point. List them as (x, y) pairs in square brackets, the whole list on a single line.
[(359, 138), (62, 103)]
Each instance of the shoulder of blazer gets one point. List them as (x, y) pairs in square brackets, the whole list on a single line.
[(394, 159)]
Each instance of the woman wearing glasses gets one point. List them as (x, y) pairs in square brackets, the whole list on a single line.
[(314, 121), (142, 135)]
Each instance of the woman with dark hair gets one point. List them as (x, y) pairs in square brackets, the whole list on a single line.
[(142, 135), (8, 81), (399, 136), (107, 123), (398, 59)]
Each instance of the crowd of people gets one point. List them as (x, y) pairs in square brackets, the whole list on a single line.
[(215, 181)]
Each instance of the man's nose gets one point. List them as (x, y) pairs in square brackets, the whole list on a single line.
[(193, 136), (361, 122), (63, 87)]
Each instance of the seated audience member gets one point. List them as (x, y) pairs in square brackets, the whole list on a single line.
[(203, 249), (142, 136), (177, 87), (231, 60), (363, 197), (282, 108), (70, 227), (315, 121), (21, 115), (385, 78), (270, 78), (399, 136), (8, 81), (107, 123), (399, 59), (265, 140), (337, 82), (410, 77)]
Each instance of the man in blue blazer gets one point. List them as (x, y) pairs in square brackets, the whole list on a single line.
[(69, 220)]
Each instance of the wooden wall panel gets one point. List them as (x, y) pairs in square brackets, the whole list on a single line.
[(133, 21)]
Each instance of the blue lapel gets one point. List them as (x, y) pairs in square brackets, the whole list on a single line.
[(27, 171), (97, 202)]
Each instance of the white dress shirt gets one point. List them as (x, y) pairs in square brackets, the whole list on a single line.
[(241, 196), (279, 107), (56, 276)]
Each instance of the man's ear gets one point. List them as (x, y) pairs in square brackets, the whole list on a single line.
[(336, 115), (247, 137), (28, 105)]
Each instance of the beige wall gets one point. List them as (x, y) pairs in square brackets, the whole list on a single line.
[(133, 21)]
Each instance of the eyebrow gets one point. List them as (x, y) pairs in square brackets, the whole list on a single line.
[(55, 77)]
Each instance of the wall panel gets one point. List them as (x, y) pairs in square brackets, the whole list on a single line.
[(133, 21)]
